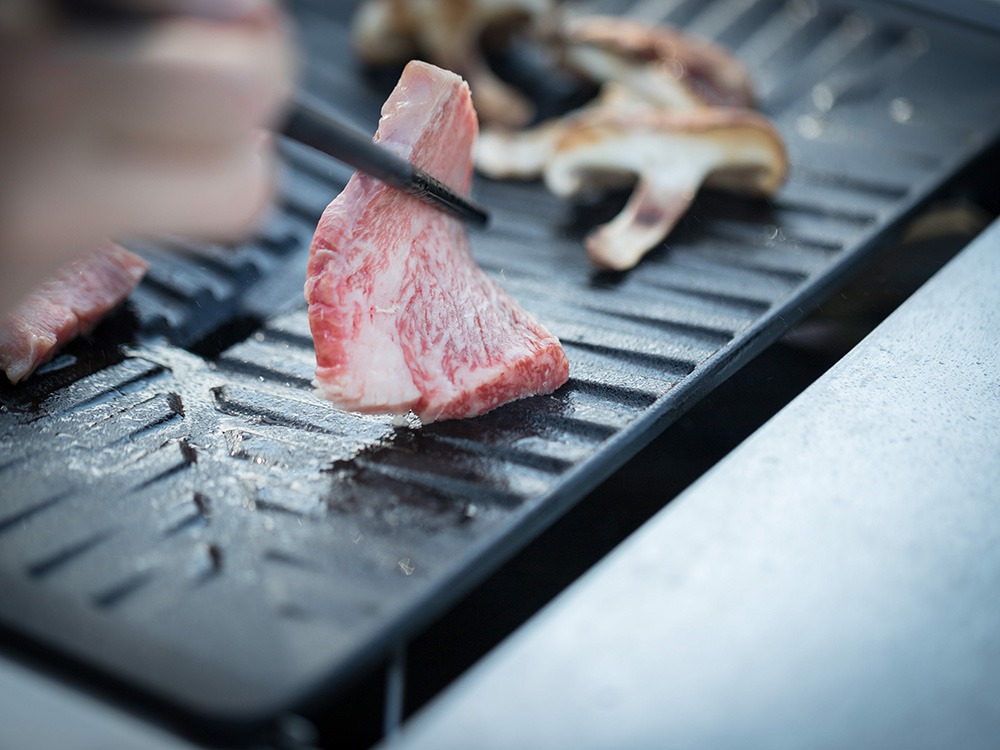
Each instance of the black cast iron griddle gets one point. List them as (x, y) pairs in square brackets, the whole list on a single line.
[(182, 513)]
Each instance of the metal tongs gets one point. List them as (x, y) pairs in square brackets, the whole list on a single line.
[(312, 122)]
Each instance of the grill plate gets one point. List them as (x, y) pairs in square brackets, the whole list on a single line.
[(182, 512)]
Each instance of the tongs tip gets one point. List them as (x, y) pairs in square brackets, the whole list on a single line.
[(425, 186)]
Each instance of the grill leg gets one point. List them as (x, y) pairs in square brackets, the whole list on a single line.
[(395, 685)]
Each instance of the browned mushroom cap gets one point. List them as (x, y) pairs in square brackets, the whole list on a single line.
[(518, 154), (449, 33), (522, 154), (673, 154), (657, 63)]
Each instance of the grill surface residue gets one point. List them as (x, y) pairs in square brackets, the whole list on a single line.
[(181, 510)]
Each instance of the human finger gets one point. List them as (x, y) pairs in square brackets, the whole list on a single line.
[(181, 78), (215, 193)]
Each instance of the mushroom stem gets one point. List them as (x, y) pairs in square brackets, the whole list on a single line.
[(657, 203)]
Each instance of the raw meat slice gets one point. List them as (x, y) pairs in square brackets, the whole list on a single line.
[(402, 317), (70, 303)]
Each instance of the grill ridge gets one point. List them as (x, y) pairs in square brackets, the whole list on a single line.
[(228, 463), (51, 563), (115, 595), (22, 515)]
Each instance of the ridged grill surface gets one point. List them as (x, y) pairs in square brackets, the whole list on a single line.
[(174, 481)]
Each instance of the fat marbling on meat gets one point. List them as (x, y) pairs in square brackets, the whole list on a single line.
[(68, 304), (401, 315)]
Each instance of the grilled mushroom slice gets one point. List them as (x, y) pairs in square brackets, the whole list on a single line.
[(522, 154), (518, 154), (672, 154), (658, 64), (634, 64), (449, 33)]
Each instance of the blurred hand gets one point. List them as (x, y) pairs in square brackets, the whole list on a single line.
[(134, 130)]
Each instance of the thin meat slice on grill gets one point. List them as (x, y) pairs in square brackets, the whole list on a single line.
[(68, 304), (669, 156), (402, 317)]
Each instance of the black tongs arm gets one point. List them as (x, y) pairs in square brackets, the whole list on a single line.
[(313, 123)]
